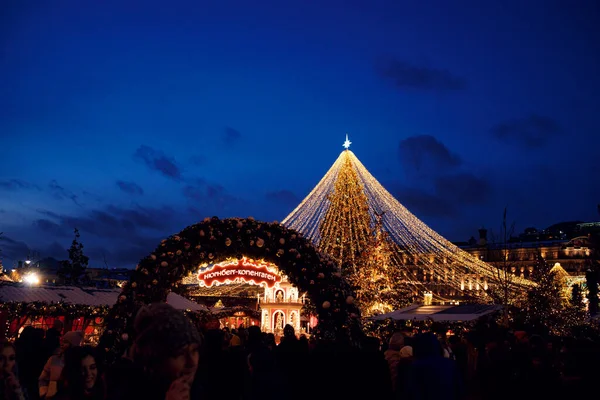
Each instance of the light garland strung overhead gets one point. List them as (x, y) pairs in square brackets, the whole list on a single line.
[(421, 256)]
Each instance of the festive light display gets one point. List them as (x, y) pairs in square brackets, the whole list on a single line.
[(38, 309), (235, 270), (35, 310), (562, 280), (213, 241), (547, 310), (419, 257), (379, 286), (202, 318), (346, 226)]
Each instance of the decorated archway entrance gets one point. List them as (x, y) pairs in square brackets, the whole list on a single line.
[(215, 240)]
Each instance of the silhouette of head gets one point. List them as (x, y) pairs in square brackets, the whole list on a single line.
[(288, 331)]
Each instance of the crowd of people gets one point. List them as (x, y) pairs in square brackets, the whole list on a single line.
[(171, 359)]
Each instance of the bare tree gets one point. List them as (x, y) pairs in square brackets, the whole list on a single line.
[(1, 267), (104, 259), (506, 290)]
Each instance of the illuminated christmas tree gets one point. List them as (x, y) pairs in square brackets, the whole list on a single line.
[(379, 286), (363, 251), (576, 309), (338, 216), (545, 309)]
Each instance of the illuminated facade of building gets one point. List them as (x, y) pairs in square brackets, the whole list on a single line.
[(520, 256), (520, 259)]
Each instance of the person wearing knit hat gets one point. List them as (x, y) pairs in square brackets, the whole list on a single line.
[(166, 347), (392, 356), (71, 339), (51, 375)]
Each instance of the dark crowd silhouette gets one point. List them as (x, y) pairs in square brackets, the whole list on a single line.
[(171, 359)]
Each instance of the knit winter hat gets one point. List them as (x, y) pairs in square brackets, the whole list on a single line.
[(161, 331), (396, 341), (74, 338)]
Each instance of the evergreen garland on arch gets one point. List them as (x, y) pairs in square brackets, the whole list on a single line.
[(215, 240)]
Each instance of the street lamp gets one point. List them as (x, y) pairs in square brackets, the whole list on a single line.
[(31, 279)]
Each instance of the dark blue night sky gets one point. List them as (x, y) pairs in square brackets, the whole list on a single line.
[(133, 119)]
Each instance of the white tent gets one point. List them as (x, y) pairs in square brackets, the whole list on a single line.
[(21, 293), (440, 313)]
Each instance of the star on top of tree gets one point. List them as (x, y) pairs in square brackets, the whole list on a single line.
[(347, 143)]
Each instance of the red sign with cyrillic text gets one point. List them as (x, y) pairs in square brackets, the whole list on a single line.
[(240, 270)]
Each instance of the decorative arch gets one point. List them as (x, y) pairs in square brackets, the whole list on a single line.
[(215, 240), (274, 321)]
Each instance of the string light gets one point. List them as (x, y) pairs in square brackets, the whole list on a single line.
[(423, 259)]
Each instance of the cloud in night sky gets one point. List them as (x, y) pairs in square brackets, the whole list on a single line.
[(424, 155), (531, 132), (60, 192), (130, 188), (129, 253), (13, 249), (136, 228), (438, 184), (231, 136), (463, 188), (116, 219), (423, 203), (406, 76), (205, 195), (17, 184), (57, 250), (154, 218), (286, 197), (444, 196), (197, 160), (49, 227), (156, 160)]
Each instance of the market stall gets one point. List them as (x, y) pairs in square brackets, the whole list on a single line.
[(78, 308)]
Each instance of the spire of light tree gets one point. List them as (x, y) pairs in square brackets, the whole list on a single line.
[(346, 226), (338, 215)]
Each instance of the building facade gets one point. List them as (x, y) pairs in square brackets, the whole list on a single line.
[(521, 257)]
